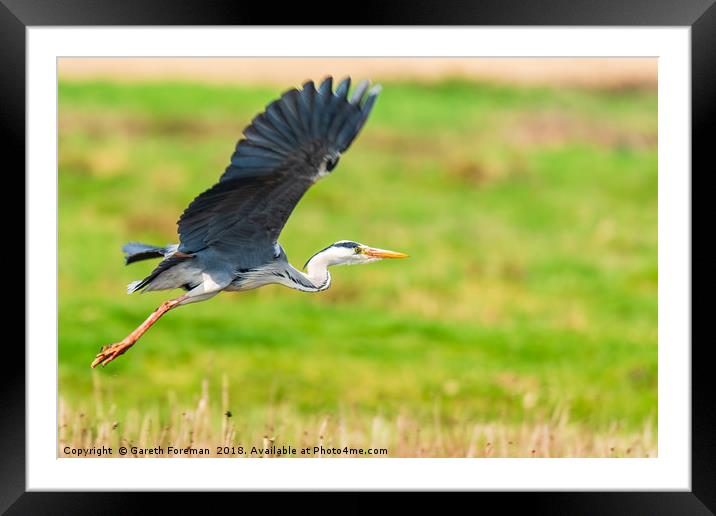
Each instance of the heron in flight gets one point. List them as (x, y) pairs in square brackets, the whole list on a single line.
[(228, 235)]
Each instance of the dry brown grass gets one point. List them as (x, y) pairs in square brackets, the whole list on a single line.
[(604, 73), (551, 128), (121, 125), (209, 424)]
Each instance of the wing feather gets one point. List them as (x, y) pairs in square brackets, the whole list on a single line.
[(283, 152)]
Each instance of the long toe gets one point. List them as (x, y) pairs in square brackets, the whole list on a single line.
[(97, 360), (109, 353), (113, 355), (101, 356)]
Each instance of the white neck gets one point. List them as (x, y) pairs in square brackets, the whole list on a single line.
[(317, 277)]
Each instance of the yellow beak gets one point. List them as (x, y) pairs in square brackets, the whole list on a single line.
[(381, 253)]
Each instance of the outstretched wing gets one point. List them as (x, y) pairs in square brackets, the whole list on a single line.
[(285, 149)]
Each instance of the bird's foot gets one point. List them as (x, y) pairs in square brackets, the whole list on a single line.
[(111, 351)]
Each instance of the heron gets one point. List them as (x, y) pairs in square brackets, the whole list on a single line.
[(228, 235)]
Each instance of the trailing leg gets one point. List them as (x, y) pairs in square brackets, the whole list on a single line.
[(112, 351)]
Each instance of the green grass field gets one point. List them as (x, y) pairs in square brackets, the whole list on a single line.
[(530, 215)]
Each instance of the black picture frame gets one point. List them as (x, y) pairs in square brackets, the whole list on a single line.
[(17, 15)]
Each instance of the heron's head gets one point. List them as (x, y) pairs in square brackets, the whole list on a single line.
[(346, 252)]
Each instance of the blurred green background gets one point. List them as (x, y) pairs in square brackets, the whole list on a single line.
[(529, 212)]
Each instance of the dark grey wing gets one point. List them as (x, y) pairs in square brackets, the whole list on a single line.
[(285, 149)]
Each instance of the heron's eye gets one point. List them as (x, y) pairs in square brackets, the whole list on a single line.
[(357, 250)]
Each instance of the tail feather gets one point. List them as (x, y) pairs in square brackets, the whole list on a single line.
[(133, 286), (174, 259), (136, 251)]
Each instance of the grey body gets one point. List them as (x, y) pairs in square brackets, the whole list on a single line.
[(228, 234), (208, 272)]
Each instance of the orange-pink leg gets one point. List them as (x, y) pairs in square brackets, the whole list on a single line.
[(112, 351)]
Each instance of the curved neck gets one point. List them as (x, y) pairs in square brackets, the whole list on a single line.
[(316, 278)]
